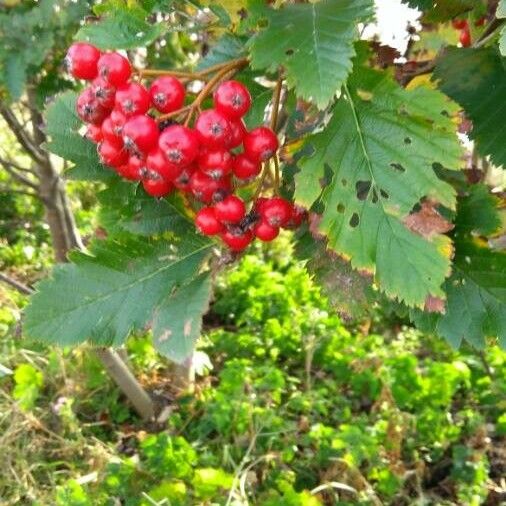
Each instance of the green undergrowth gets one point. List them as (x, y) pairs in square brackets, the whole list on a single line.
[(291, 407)]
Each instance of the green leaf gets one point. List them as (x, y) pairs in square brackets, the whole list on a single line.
[(476, 298), (227, 48), (115, 289), (501, 14), (442, 10), (62, 128), (178, 320), (375, 158), (476, 79), (126, 207), (15, 75), (28, 383), (314, 42), (121, 29)]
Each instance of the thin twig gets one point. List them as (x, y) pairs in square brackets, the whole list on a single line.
[(10, 168), (20, 287)]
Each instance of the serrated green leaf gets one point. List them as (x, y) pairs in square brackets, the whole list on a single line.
[(126, 207), (115, 289), (442, 10), (227, 48), (501, 14), (121, 29), (62, 128), (15, 75), (380, 146), (314, 42), (178, 320), (476, 79)]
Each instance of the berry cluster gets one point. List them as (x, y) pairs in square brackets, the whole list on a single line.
[(205, 162), (465, 38)]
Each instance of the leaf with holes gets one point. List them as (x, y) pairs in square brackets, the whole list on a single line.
[(62, 128), (314, 43), (178, 319), (375, 160), (482, 94), (117, 288)]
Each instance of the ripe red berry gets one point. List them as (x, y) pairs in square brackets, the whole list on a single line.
[(88, 109), (465, 37), (481, 21), (232, 99), (260, 144), (459, 24), (276, 211), (180, 145), (183, 180), (140, 134), (118, 120), (132, 99), (114, 68), (237, 239), (104, 92), (216, 163), (213, 129), (206, 189), (94, 133), (244, 168), (132, 170), (299, 214), (266, 232), (167, 94), (238, 131), (81, 60), (112, 153), (156, 162), (108, 131), (230, 210), (155, 185), (206, 222)]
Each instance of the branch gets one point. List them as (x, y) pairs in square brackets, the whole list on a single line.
[(5, 189), (21, 135), (9, 167), (20, 287)]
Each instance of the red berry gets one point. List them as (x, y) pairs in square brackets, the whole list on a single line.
[(299, 214), (238, 129), (232, 99), (260, 144), (183, 180), (260, 203), (266, 232), (481, 21), (155, 185), (237, 239), (465, 38), (88, 109), (167, 94), (180, 145), (132, 170), (244, 168), (94, 133), (459, 24), (156, 162), (216, 163), (140, 134), (213, 129), (109, 132), (276, 211), (112, 153), (206, 222), (114, 68), (104, 92), (206, 189), (118, 120), (81, 60), (230, 210), (132, 99)]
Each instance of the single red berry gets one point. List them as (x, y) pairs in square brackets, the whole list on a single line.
[(215, 163), (232, 99), (167, 94), (132, 170), (104, 92), (459, 24), (81, 60), (206, 189), (140, 134), (88, 109), (213, 129), (276, 211), (156, 162), (155, 185), (109, 132), (118, 120), (114, 68), (481, 21), (230, 210), (260, 203), (180, 145), (238, 131), (260, 144), (465, 37), (112, 153), (244, 168), (183, 180), (237, 239), (132, 99), (299, 214), (265, 232), (206, 222), (94, 133)]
